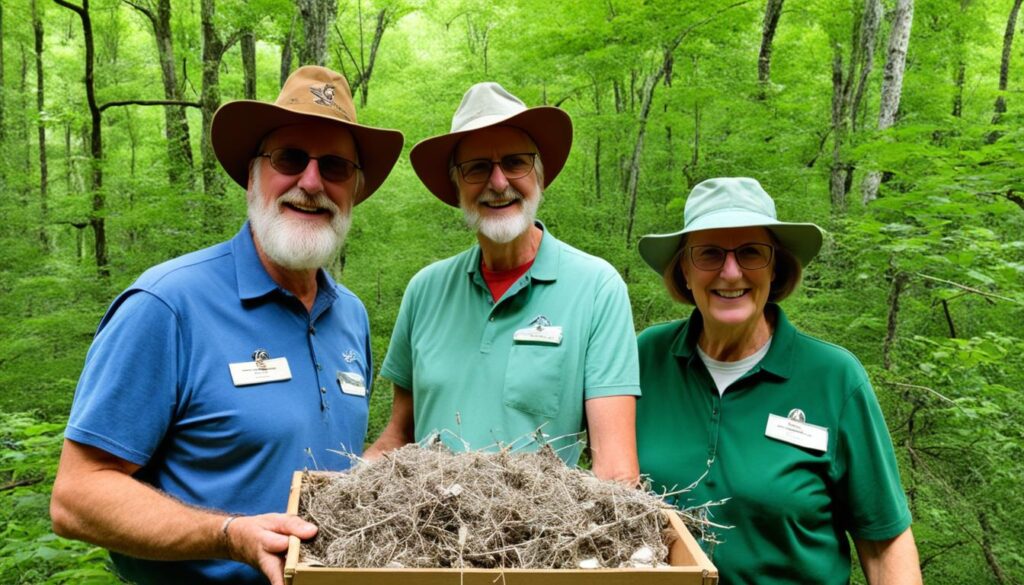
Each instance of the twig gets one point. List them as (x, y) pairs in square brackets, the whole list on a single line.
[(20, 483), (967, 288), (916, 387)]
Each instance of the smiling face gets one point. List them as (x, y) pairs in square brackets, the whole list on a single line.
[(500, 209), (732, 297), (299, 221)]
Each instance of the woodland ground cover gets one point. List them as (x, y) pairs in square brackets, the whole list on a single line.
[(925, 283)]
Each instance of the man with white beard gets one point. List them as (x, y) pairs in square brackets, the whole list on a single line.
[(217, 374), (521, 340)]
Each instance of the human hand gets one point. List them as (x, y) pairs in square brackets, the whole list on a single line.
[(261, 541)]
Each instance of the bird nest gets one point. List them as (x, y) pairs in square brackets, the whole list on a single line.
[(426, 507)]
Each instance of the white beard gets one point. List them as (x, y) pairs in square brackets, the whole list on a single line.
[(290, 242), (501, 230)]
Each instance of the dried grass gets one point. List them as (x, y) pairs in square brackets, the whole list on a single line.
[(426, 507)]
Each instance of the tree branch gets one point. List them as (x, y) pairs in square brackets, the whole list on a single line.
[(67, 4), (150, 103), (20, 483), (144, 10), (966, 288), (916, 387)]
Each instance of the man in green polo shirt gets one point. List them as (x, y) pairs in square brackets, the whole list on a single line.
[(521, 340)]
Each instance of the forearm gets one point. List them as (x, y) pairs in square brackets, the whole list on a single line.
[(111, 509), (400, 430), (890, 562), (611, 428), (388, 440)]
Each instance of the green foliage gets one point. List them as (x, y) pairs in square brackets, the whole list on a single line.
[(30, 553), (946, 366)]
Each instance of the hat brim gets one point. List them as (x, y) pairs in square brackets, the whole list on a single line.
[(803, 240), (238, 127), (550, 129)]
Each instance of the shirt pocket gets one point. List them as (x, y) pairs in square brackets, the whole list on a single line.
[(534, 379)]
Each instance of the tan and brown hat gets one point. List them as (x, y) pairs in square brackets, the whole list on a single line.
[(311, 93), (484, 105)]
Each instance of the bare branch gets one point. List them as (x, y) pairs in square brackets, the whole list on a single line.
[(143, 9), (67, 4), (916, 387), (966, 288), (150, 103)]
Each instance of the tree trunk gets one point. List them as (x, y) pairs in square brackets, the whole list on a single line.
[(892, 83), (986, 547), (37, 25), (248, 46), (772, 11), (958, 82), (317, 16), (870, 21), (287, 50), (960, 73), (179, 144), (646, 97), (213, 52), (1004, 70), (837, 172), (95, 141), (360, 82), (899, 283)]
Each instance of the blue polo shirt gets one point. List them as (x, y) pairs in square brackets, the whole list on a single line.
[(157, 391)]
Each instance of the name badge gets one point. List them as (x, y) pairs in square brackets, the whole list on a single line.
[(550, 335), (352, 383), (797, 433), (260, 371)]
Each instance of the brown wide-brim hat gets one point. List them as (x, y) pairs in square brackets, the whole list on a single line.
[(311, 94), (485, 105)]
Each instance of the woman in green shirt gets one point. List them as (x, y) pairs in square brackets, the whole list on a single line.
[(785, 427)]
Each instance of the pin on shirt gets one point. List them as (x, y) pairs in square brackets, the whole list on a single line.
[(260, 370), (540, 332), (794, 429)]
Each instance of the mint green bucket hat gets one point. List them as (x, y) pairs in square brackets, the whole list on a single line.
[(731, 202)]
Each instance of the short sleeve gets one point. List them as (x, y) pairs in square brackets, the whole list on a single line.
[(128, 393), (397, 365), (612, 367), (874, 506)]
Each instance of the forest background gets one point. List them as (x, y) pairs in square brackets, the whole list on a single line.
[(894, 124)]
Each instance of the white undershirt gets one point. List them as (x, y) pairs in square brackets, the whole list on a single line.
[(725, 373)]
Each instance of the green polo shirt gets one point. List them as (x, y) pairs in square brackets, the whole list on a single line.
[(790, 507), (453, 347)]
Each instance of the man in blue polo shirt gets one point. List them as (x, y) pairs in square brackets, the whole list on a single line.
[(217, 374), (522, 339)]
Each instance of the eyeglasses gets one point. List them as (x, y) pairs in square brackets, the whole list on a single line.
[(292, 161), (513, 166), (748, 256)]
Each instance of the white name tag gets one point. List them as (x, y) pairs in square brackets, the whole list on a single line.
[(270, 370), (550, 335), (797, 433), (352, 383)]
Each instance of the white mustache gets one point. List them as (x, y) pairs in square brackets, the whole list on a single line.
[(297, 196), (509, 194)]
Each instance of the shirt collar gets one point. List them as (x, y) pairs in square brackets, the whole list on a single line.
[(252, 277), (779, 360), (253, 280), (545, 264)]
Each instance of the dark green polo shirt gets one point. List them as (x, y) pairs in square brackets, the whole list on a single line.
[(790, 507)]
